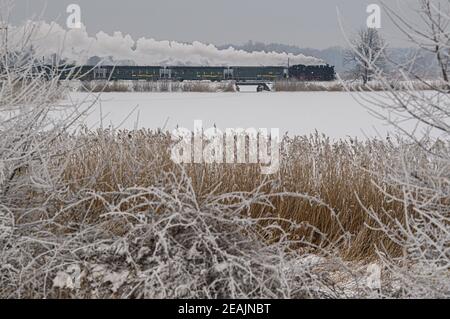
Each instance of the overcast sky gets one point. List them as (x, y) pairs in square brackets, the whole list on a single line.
[(307, 23)]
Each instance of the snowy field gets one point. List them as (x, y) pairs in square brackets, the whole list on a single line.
[(337, 114)]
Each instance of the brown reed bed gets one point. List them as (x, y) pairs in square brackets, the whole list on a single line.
[(333, 179), (98, 86)]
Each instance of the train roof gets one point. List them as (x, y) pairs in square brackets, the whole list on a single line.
[(200, 66)]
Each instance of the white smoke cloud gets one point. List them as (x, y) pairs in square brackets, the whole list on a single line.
[(76, 45)]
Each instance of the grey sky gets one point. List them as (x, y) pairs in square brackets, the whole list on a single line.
[(307, 23)]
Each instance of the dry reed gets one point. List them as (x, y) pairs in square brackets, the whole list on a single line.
[(340, 174)]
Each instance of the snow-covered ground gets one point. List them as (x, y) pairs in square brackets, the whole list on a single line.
[(337, 114)]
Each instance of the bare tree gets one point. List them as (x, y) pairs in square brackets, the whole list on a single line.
[(422, 169), (366, 55)]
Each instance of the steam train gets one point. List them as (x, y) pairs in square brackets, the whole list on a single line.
[(199, 73)]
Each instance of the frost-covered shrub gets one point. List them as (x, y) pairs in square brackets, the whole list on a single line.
[(163, 241), (421, 168)]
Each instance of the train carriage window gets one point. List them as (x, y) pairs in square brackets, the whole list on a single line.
[(100, 73)]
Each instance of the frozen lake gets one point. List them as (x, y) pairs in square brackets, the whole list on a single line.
[(336, 114)]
